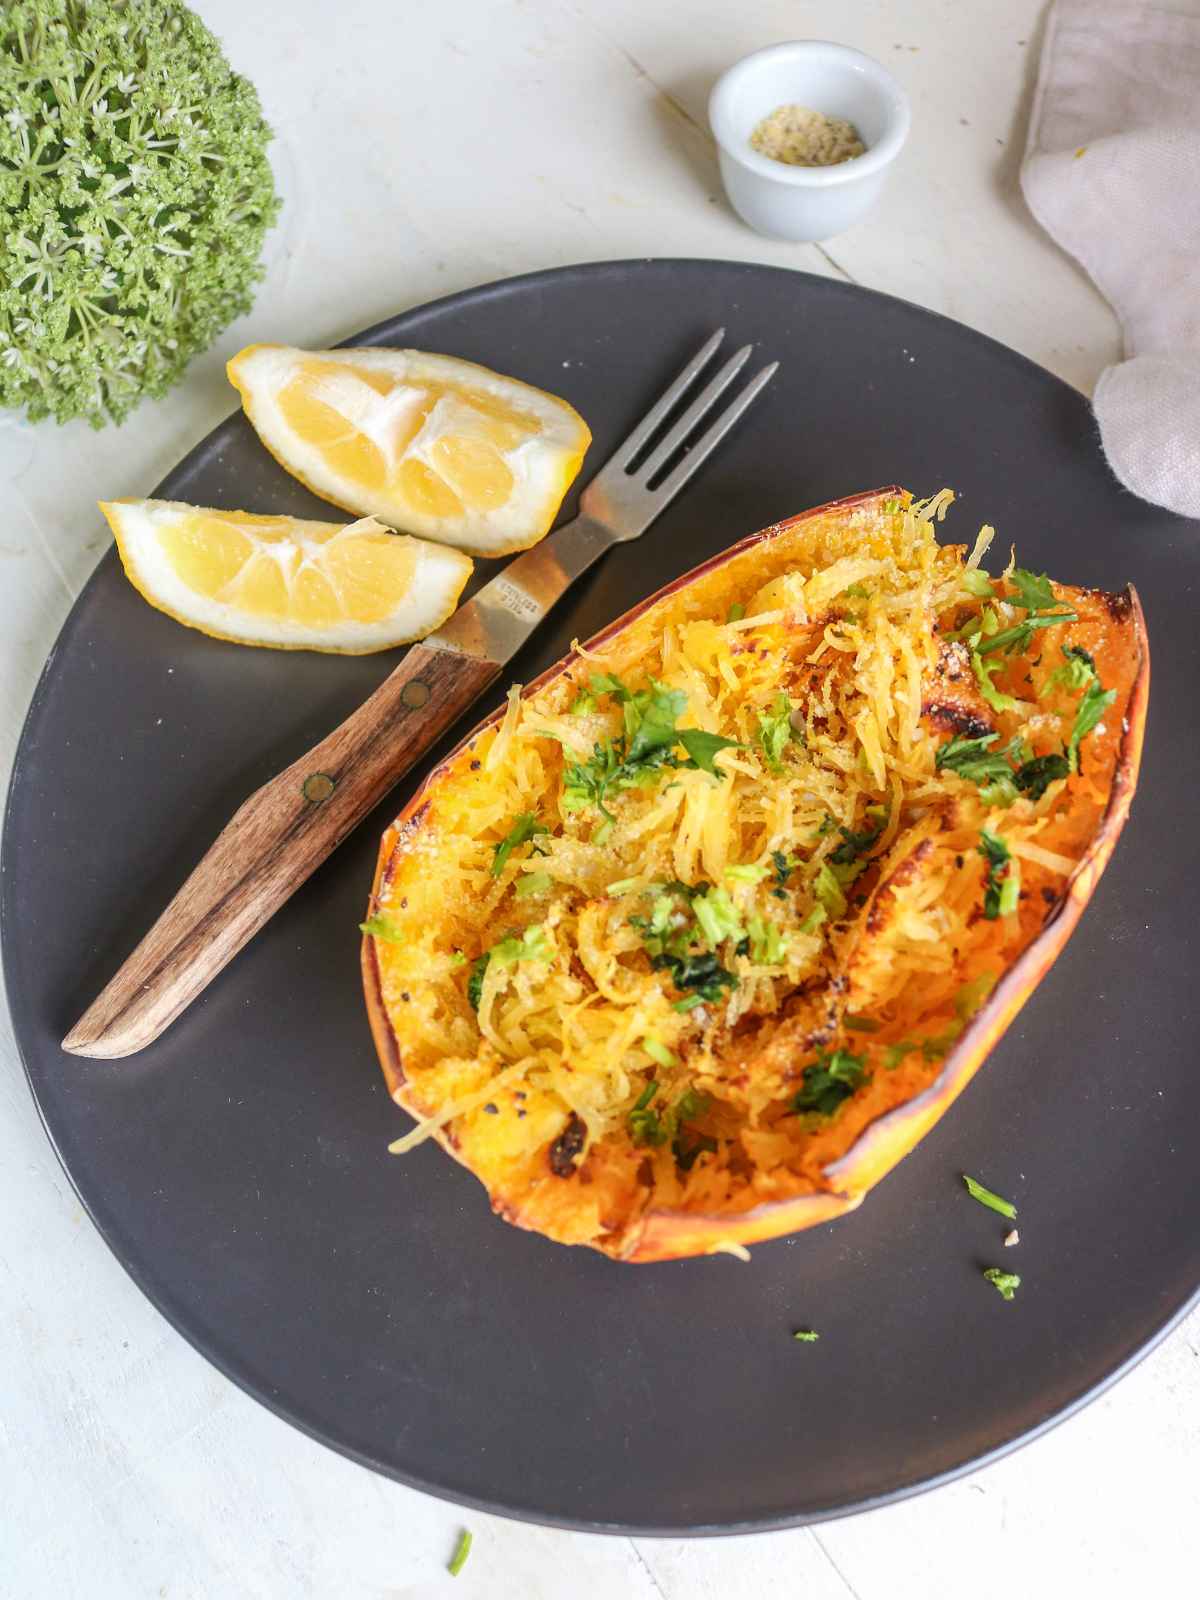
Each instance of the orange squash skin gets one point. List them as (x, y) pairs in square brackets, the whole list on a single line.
[(663, 1235)]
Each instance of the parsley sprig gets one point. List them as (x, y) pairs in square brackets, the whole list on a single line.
[(830, 1079), (1005, 1283), (776, 731), (1016, 640), (1093, 703), (999, 782), (524, 828), (638, 757), (648, 1125), (988, 1197), (530, 945), (1002, 888), (1077, 671), (685, 921)]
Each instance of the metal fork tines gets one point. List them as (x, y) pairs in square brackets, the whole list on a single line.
[(619, 504), (620, 495)]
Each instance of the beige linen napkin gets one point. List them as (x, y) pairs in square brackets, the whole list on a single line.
[(1112, 172)]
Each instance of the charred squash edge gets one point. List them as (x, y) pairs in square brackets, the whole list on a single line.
[(670, 1235)]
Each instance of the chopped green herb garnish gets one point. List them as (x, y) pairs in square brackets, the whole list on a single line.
[(639, 756), (583, 703), (687, 1151), (846, 871), (977, 583), (894, 1054), (670, 935), (1003, 887), (783, 866), (972, 759), (1077, 671), (973, 993), (530, 945), (458, 959), (657, 1051), (1007, 1283), (459, 1559), (746, 872), (830, 1079), (768, 944), (1034, 591), (624, 885), (775, 732), (688, 1003), (736, 612), (857, 591), (1034, 777), (701, 972), (533, 883), (475, 981), (827, 824), (693, 1103), (987, 1197), (806, 1336), (984, 672), (688, 1145), (525, 827), (1000, 792), (380, 927), (650, 718), (648, 1127), (861, 1024), (718, 916), (702, 747), (645, 1124), (814, 919), (998, 781), (853, 845), (1094, 702), (1017, 638), (607, 683), (935, 1046), (827, 891)]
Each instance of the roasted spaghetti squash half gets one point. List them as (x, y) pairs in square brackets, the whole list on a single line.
[(693, 941)]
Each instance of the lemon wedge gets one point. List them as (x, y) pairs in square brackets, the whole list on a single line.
[(430, 444), (279, 581)]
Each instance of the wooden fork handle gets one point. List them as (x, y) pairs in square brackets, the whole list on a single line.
[(280, 835)]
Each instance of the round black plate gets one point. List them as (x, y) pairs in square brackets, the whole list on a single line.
[(239, 1168)]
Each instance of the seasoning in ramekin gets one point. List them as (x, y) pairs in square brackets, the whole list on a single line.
[(800, 137)]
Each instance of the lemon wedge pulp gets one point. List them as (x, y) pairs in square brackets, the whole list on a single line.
[(283, 582), (431, 444)]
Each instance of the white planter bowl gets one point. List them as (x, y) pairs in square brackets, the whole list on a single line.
[(806, 203)]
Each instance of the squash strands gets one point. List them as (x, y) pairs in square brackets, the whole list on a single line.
[(693, 941)]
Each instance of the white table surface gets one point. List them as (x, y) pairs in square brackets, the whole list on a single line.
[(422, 149)]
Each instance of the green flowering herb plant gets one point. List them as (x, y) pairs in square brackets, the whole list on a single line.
[(135, 193)]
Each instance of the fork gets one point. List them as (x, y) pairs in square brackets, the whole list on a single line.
[(286, 829)]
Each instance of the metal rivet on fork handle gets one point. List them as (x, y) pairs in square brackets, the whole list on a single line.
[(318, 786)]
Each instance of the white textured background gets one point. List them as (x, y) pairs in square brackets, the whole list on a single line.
[(421, 149)]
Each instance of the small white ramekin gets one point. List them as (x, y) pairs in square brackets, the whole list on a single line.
[(806, 203)]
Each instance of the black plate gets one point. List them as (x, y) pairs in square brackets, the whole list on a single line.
[(239, 1168)]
